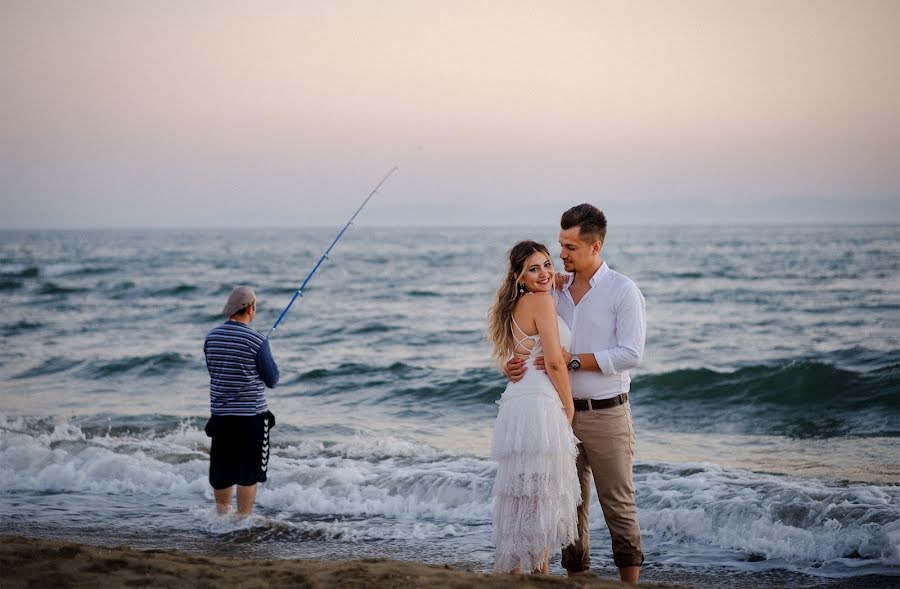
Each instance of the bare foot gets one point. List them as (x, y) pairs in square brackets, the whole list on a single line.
[(629, 574)]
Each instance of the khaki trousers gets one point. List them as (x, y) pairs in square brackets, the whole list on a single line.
[(606, 450)]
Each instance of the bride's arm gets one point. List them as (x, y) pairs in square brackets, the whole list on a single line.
[(554, 361)]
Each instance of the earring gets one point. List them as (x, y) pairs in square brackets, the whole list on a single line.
[(521, 289)]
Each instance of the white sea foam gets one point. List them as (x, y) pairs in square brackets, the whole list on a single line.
[(65, 459), (388, 488), (782, 520), (61, 268), (348, 480), (336, 529)]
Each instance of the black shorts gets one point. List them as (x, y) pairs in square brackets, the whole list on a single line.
[(239, 452)]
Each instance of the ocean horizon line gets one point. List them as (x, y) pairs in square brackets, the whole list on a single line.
[(426, 225)]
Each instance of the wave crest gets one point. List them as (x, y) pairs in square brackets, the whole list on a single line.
[(797, 399)]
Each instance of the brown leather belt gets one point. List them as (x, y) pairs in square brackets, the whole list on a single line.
[(591, 404)]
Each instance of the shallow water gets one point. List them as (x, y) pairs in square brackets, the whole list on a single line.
[(767, 409)]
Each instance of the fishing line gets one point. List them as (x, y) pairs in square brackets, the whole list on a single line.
[(299, 292)]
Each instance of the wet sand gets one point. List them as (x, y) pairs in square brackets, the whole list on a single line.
[(29, 562)]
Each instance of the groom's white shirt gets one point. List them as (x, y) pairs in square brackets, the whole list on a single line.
[(609, 322)]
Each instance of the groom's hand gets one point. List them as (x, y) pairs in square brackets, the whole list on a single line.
[(515, 369)]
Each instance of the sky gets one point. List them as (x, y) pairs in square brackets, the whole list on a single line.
[(219, 113)]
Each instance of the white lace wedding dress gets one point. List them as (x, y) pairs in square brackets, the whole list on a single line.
[(536, 491)]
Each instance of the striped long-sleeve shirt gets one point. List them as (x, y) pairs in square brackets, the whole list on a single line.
[(240, 368)]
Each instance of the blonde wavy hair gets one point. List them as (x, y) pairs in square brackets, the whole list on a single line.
[(499, 330)]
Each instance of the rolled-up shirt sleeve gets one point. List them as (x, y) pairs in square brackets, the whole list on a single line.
[(265, 364), (631, 330)]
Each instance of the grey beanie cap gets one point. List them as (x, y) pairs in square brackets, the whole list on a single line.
[(240, 298)]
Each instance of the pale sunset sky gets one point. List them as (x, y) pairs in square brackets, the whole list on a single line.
[(126, 113)]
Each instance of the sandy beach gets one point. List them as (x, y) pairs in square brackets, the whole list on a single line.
[(30, 562)]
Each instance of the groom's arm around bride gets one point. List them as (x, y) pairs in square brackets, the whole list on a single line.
[(606, 314)]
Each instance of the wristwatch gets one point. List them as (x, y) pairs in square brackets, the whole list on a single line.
[(574, 364)]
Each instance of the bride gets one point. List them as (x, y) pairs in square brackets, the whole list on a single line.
[(536, 490)]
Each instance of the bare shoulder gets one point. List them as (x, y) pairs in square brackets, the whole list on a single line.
[(537, 298), (539, 302)]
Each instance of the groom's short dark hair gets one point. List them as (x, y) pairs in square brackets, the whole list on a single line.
[(589, 219)]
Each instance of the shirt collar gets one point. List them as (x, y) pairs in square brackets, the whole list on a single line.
[(602, 271)]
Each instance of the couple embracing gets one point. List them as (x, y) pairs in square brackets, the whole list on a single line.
[(567, 346)]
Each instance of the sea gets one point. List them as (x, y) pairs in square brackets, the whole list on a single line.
[(766, 407)]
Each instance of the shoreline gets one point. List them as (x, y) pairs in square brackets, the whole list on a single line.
[(38, 562)]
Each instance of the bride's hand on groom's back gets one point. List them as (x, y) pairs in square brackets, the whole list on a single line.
[(561, 279), (515, 369)]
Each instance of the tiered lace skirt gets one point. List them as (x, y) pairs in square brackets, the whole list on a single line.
[(536, 491)]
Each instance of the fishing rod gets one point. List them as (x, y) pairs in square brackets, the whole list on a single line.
[(299, 292)]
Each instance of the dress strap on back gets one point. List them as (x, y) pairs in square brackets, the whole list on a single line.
[(520, 342)]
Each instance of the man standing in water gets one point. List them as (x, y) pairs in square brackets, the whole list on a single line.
[(606, 314), (240, 368)]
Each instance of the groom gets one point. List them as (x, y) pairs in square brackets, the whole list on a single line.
[(605, 312)]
